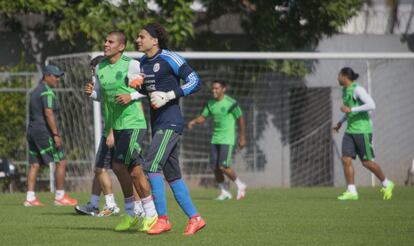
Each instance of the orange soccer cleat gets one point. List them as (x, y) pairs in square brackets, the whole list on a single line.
[(162, 225), (194, 224), (66, 201), (34, 203)]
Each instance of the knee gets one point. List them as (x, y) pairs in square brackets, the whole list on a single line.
[(116, 168), (222, 168), (346, 161), (136, 173), (367, 163), (98, 171)]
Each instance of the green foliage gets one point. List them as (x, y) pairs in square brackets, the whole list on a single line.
[(13, 111), (93, 19), (286, 25)]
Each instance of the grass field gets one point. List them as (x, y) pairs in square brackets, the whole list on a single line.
[(305, 216)]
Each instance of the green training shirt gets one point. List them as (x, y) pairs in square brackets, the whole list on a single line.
[(358, 122), (224, 112), (112, 78)]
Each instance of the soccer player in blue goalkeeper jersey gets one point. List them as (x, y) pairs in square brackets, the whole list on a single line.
[(357, 139), (162, 71)]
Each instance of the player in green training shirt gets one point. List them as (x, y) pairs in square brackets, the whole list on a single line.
[(357, 139), (126, 117), (225, 112)]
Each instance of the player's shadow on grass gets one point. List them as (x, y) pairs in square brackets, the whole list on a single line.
[(60, 213), (80, 228)]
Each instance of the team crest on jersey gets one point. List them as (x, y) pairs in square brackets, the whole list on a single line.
[(223, 109), (156, 67), (118, 75)]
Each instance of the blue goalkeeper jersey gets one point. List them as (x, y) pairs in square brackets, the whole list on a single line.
[(163, 72)]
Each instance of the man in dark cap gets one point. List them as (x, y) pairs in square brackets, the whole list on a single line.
[(43, 136)]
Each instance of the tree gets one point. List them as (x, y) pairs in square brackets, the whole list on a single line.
[(88, 21), (284, 25), (13, 110)]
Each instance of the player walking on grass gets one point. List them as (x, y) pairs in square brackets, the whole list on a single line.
[(43, 136), (101, 180), (357, 139), (126, 117), (225, 111), (163, 70)]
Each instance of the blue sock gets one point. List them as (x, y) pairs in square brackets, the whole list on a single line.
[(182, 196), (158, 193)]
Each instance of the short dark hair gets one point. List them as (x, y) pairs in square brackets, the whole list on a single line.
[(120, 35), (349, 73), (96, 60), (221, 82), (157, 31)]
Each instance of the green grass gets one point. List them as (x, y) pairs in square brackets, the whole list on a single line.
[(305, 216)]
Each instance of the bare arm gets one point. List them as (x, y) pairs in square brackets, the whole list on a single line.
[(339, 124), (199, 120), (242, 132), (50, 119)]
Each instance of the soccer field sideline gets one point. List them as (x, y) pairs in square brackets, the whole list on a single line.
[(296, 216)]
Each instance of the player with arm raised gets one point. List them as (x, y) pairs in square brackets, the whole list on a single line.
[(225, 112), (162, 71), (357, 139)]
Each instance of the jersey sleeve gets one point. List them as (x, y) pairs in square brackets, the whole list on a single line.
[(182, 70), (236, 111), (368, 103), (206, 111), (48, 99), (95, 95), (134, 68)]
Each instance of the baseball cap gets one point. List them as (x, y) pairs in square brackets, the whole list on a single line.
[(54, 70)]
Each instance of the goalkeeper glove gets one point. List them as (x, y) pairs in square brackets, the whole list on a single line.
[(160, 98)]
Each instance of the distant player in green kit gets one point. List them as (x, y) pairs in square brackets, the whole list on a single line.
[(357, 139), (225, 112)]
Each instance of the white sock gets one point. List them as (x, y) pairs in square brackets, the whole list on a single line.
[(110, 200), (239, 183), (30, 196), (59, 194), (149, 207), (352, 188), (385, 182), (222, 187), (94, 200), (130, 205), (139, 210)]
